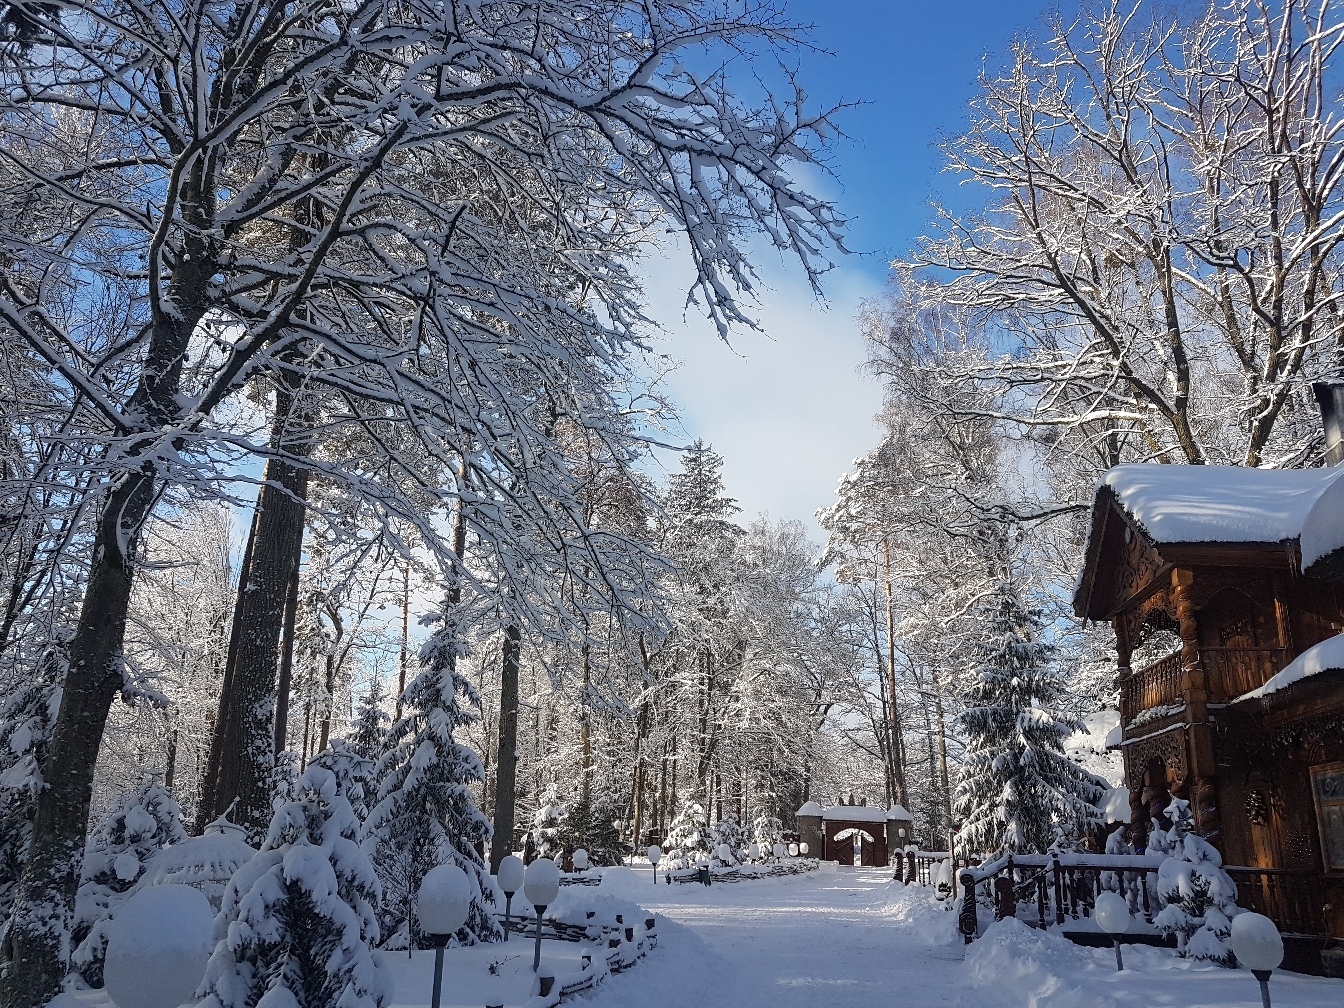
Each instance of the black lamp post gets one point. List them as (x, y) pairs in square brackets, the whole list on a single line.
[(541, 885), (441, 908), (510, 880)]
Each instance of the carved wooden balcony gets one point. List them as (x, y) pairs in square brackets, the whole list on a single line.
[(1232, 672)]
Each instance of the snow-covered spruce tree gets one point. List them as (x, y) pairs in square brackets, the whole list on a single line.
[(118, 853), (689, 835), (284, 777), (592, 826), (297, 922), (1201, 898), (1016, 786), (549, 824), (766, 831), (27, 716), (353, 772), (368, 733), (729, 831), (426, 815)]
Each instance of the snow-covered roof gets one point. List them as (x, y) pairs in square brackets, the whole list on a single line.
[(899, 812), (810, 809), (856, 813), (1325, 656), (1203, 504)]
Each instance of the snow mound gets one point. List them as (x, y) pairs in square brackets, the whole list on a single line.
[(205, 862), (575, 903), (618, 880), (160, 942), (913, 909), (1091, 747), (1325, 656), (1027, 967)]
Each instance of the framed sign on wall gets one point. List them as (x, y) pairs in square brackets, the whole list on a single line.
[(1327, 789)]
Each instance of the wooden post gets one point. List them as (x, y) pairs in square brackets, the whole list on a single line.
[(1195, 691)]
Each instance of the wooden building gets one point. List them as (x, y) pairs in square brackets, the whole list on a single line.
[(1238, 576)]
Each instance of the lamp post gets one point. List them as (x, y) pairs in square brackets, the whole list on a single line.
[(793, 850), (157, 948), (655, 854), (1111, 913), (541, 885), (510, 880), (1256, 942), (441, 907), (580, 860)]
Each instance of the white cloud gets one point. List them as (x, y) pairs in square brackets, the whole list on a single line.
[(786, 407)]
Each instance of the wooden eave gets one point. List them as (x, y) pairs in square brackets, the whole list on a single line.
[(1319, 694)]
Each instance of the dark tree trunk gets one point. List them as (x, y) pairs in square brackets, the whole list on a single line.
[(506, 764), (284, 686), (242, 754)]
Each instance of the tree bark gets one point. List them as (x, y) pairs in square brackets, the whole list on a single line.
[(506, 765), (241, 753), (894, 714), (282, 688)]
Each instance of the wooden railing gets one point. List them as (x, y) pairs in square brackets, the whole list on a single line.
[(1297, 901), (1153, 686), (1234, 672)]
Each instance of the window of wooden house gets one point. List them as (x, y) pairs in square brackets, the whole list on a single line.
[(1327, 788)]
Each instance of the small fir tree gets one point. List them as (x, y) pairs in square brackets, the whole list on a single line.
[(368, 734), (298, 921), (353, 772), (1200, 897), (284, 778), (592, 826), (548, 825), (1017, 789), (729, 831), (766, 831), (27, 716), (689, 834), (115, 859), (426, 815)]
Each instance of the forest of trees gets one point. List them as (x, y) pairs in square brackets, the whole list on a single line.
[(327, 404)]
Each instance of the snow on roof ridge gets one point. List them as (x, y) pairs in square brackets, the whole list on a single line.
[(1218, 503), (856, 813), (1322, 657), (810, 808), (898, 812)]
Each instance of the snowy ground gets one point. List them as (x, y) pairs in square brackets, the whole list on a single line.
[(852, 939)]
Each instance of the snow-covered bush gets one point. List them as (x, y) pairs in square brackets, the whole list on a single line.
[(27, 715), (1200, 897), (1017, 789), (298, 920), (205, 862), (115, 858), (284, 777), (592, 826), (426, 814), (688, 837)]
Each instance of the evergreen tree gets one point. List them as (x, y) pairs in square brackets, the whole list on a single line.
[(548, 825), (689, 835), (368, 733), (115, 858), (284, 778), (27, 716), (1200, 897), (1017, 787), (766, 831), (353, 772), (298, 920), (729, 831), (592, 826), (426, 815)]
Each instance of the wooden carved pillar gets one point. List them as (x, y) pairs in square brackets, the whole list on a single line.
[(1201, 779), (1282, 620)]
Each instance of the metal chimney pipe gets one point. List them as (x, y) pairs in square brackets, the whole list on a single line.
[(1330, 398)]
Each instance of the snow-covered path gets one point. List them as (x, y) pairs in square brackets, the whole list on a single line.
[(821, 939)]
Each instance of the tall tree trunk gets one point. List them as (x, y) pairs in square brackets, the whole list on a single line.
[(283, 687), (241, 754), (897, 741), (506, 765), (585, 734)]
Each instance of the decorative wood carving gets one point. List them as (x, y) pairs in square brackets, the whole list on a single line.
[(1167, 748), (1137, 566)]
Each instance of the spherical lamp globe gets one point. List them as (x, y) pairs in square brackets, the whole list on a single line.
[(444, 900), (510, 875), (655, 854), (541, 882), (1111, 913), (1256, 942), (580, 860)]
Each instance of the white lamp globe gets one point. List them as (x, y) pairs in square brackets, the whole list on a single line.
[(1256, 942), (158, 945), (510, 875), (793, 850), (655, 854), (779, 850), (1111, 913), (754, 851), (802, 847), (725, 853), (541, 882), (444, 900), (581, 860)]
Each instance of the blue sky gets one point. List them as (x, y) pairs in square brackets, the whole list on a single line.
[(788, 409)]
